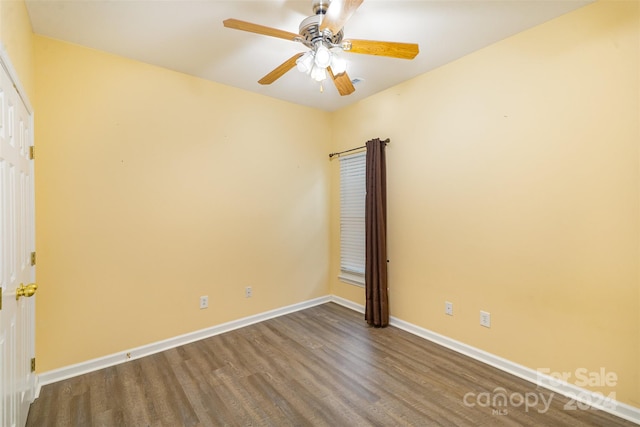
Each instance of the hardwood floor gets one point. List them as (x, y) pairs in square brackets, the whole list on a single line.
[(318, 367)]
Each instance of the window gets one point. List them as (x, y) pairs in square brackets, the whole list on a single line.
[(352, 231)]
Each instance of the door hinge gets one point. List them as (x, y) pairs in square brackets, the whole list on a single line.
[(33, 364), (32, 152), (0, 299), (33, 258)]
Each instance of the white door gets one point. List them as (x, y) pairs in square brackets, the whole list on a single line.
[(17, 274)]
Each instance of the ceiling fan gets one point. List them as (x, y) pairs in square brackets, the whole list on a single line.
[(322, 33)]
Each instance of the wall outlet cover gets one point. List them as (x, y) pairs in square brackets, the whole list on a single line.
[(448, 308), (204, 301), (485, 319)]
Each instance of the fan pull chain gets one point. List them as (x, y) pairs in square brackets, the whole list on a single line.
[(321, 87)]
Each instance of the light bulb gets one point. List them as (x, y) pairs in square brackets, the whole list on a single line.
[(323, 56), (305, 62), (318, 74), (338, 64)]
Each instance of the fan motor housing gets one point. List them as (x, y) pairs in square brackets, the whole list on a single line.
[(309, 30)]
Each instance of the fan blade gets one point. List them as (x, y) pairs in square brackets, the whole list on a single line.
[(338, 13), (259, 29), (280, 70), (342, 82), (371, 47)]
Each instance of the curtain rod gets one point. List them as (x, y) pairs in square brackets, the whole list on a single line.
[(385, 142)]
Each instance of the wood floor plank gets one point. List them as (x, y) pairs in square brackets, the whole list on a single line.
[(318, 367)]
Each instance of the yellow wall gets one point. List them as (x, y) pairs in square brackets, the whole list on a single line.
[(16, 37), (513, 187), (154, 188)]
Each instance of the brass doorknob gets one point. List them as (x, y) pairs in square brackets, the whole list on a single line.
[(26, 291)]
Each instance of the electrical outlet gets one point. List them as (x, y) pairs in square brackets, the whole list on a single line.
[(248, 292), (204, 301), (448, 308), (485, 319)]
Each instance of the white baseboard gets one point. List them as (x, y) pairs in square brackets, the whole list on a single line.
[(579, 394), (346, 303), (146, 350)]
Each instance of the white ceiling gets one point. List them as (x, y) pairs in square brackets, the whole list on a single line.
[(188, 36)]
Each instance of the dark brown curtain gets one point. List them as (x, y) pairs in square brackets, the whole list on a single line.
[(375, 272)]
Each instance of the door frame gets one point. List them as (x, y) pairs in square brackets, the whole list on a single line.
[(5, 62)]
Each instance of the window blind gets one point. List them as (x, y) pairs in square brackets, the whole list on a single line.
[(352, 228)]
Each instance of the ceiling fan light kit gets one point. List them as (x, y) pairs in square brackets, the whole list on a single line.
[(315, 63), (323, 34)]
